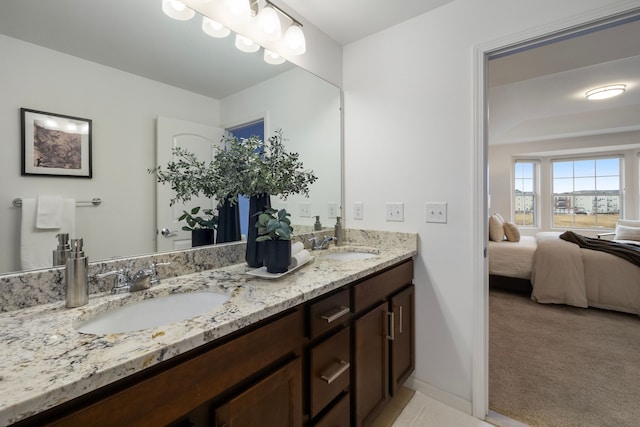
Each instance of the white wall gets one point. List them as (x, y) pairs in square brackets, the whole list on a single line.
[(409, 137), (501, 170), (307, 109), (123, 108)]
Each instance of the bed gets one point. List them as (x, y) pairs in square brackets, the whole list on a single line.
[(556, 271)]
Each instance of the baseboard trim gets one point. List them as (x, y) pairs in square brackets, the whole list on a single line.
[(440, 395)]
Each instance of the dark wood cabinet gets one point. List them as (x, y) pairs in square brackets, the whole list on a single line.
[(371, 360), (384, 343), (402, 338), (274, 401)]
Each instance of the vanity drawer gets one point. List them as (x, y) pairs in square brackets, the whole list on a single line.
[(338, 416), (329, 312), (330, 370), (371, 291)]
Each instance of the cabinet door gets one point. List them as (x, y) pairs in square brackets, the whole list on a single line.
[(371, 359), (403, 337), (274, 401)]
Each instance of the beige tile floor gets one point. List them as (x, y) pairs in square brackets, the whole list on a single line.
[(422, 411)]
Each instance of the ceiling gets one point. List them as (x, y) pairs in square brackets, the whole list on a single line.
[(539, 94), (534, 94)]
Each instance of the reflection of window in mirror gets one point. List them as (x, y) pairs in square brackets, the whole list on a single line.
[(246, 130)]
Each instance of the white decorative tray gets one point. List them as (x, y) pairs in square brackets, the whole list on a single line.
[(262, 271)]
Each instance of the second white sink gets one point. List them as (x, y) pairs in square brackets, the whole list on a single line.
[(153, 312), (350, 253)]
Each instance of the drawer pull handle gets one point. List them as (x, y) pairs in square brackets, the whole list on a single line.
[(391, 336), (400, 319), (335, 314), (340, 368)]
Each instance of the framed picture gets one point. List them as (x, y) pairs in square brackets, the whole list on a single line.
[(55, 144)]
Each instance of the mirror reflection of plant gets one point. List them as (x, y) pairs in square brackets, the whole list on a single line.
[(188, 177), (273, 224), (210, 220), (251, 166)]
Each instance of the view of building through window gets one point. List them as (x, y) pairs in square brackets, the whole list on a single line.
[(586, 193), (524, 198)]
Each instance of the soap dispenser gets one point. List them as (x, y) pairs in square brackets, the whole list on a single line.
[(76, 276), (61, 253), (317, 226)]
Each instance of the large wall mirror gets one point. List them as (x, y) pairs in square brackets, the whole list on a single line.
[(123, 64)]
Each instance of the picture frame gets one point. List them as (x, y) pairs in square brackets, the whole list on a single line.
[(55, 144)]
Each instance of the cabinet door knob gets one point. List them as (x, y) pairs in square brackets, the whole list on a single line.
[(335, 313), (338, 369)]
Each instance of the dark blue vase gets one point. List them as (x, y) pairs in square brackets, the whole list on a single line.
[(228, 222), (255, 250)]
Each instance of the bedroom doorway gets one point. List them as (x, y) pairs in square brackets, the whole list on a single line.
[(519, 57)]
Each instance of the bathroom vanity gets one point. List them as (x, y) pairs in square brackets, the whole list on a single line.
[(326, 345)]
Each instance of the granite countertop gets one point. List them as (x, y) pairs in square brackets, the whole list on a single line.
[(44, 361)]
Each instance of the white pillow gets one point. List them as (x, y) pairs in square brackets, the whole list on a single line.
[(624, 232), (496, 228), (511, 231)]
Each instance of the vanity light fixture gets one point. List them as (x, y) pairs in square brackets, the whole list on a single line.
[(605, 92), (245, 44), (262, 24), (272, 57), (214, 28), (177, 10)]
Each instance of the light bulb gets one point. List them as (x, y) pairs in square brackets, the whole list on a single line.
[(272, 57), (240, 10), (294, 39), (214, 28), (246, 44), (269, 23), (177, 10)]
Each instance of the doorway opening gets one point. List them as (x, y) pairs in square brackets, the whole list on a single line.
[(246, 130), (501, 199)]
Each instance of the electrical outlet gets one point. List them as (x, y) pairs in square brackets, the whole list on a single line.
[(358, 210), (332, 210), (305, 210), (395, 211), (436, 212)]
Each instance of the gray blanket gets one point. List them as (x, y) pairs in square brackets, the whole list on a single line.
[(629, 252)]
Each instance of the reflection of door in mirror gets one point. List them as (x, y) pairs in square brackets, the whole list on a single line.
[(200, 139), (246, 130)]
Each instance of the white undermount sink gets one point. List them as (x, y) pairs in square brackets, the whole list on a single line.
[(152, 312), (342, 253)]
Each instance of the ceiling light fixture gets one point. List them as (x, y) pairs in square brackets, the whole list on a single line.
[(256, 23), (605, 92)]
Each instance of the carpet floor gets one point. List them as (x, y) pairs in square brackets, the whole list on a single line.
[(555, 365)]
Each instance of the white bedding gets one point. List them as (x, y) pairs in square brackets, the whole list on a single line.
[(512, 259), (563, 273)]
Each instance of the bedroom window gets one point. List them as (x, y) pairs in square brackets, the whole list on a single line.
[(525, 199), (586, 192)]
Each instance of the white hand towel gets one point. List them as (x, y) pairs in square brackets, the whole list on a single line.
[(299, 258), (49, 212), (37, 245), (296, 247)]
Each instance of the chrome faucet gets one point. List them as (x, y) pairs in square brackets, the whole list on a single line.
[(324, 244), (139, 281)]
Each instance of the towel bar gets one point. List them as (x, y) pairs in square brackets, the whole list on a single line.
[(17, 202)]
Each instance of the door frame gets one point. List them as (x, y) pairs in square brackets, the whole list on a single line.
[(480, 340)]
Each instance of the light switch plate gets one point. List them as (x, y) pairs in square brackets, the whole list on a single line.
[(395, 211), (305, 210), (358, 210), (332, 210), (436, 212)]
